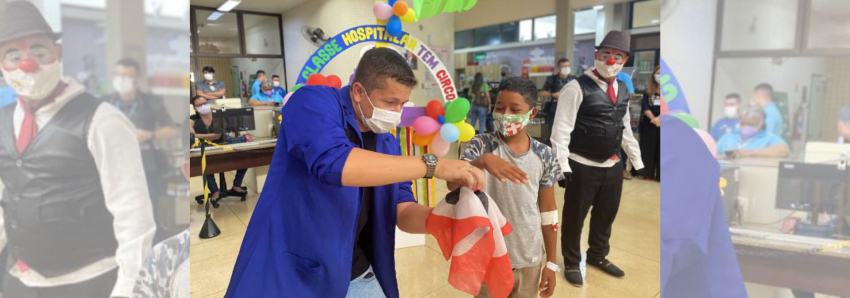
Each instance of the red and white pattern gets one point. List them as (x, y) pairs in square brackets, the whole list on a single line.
[(513, 128), (465, 232)]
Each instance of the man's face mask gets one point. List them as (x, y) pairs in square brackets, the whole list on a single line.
[(122, 84), (208, 76), (382, 121), (276, 83), (511, 124)]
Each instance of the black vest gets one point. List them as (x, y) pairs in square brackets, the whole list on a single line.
[(598, 131), (54, 210)]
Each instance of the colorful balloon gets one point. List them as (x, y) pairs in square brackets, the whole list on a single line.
[(466, 131), (317, 79), (296, 87), (382, 10), (441, 119), (439, 147), (394, 26), (457, 111), (286, 98), (422, 141), (425, 125), (409, 17), (334, 82), (708, 140), (449, 132), (400, 8), (435, 109)]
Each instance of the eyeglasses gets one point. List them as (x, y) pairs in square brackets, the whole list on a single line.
[(619, 58)]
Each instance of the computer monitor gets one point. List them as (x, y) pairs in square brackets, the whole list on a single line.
[(811, 187), (239, 119)]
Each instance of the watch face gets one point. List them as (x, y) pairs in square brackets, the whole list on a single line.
[(430, 158)]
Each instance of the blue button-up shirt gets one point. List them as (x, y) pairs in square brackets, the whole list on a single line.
[(773, 119), (265, 98), (255, 88), (733, 141), (300, 240)]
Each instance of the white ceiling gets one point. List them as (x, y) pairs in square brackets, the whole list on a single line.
[(270, 6)]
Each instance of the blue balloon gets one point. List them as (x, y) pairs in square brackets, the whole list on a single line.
[(449, 133), (391, 2), (394, 26), (441, 119)]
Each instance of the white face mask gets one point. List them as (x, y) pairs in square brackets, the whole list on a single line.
[(276, 83), (730, 111), (37, 85), (204, 109), (208, 76), (608, 71), (658, 78), (122, 84), (565, 70), (382, 121)]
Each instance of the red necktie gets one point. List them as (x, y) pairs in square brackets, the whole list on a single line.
[(29, 128), (611, 95)]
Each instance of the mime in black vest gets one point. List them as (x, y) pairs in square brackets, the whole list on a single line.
[(591, 124), (77, 218)]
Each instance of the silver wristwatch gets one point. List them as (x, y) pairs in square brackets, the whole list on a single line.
[(431, 161)]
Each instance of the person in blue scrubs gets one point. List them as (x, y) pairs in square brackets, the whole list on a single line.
[(773, 122), (752, 139), (277, 88), (266, 97), (7, 96), (260, 77), (729, 122), (325, 223)]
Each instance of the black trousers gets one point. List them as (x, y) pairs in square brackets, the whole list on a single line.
[(650, 150), (98, 287), (595, 187)]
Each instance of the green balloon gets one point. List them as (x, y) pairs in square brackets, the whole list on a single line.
[(296, 87), (457, 111), (688, 119)]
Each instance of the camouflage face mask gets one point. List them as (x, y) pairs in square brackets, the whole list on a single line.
[(510, 124)]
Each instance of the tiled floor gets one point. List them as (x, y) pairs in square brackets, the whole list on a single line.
[(422, 272)]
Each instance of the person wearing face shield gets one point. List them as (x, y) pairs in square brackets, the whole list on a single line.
[(324, 225), (591, 124), (77, 216), (752, 139), (209, 87), (266, 97), (729, 122)]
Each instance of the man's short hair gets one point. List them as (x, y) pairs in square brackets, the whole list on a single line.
[(765, 87), (275, 77), (260, 72), (524, 87), (735, 96), (379, 64), (562, 60), (208, 69), (129, 62)]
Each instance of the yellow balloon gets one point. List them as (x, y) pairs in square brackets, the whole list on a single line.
[(466, 131), (409, 17)]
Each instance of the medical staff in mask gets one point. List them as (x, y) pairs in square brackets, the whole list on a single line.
[(729, 122), (752, 139), (325, 223), (591, 125)]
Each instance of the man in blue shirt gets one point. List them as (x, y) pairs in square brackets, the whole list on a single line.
[(729, 122), (7, 96), (277, 88), (773, 122), (266, 97), (752, 139), (255, 88), (325, 223)]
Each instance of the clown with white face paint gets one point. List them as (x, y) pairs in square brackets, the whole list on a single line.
[(592, 123), (92, 224)]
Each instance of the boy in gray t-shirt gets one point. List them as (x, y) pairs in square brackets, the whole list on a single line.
[(528, 202)]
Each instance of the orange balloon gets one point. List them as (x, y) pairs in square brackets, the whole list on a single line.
[(422, 141), (317, 79), (400, 8)]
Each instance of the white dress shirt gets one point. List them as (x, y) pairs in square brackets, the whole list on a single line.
[(113, 145), (565, 121)]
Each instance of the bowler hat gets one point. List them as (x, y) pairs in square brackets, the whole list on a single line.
[(22, 19), (616, 40)]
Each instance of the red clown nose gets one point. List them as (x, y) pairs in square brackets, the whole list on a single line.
[(28, 65), (610, 61)]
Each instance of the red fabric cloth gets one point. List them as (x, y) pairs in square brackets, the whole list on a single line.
[(474, 239), (29, 128)]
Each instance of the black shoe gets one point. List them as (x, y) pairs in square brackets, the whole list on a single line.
[(573, 275), (607, 267)]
